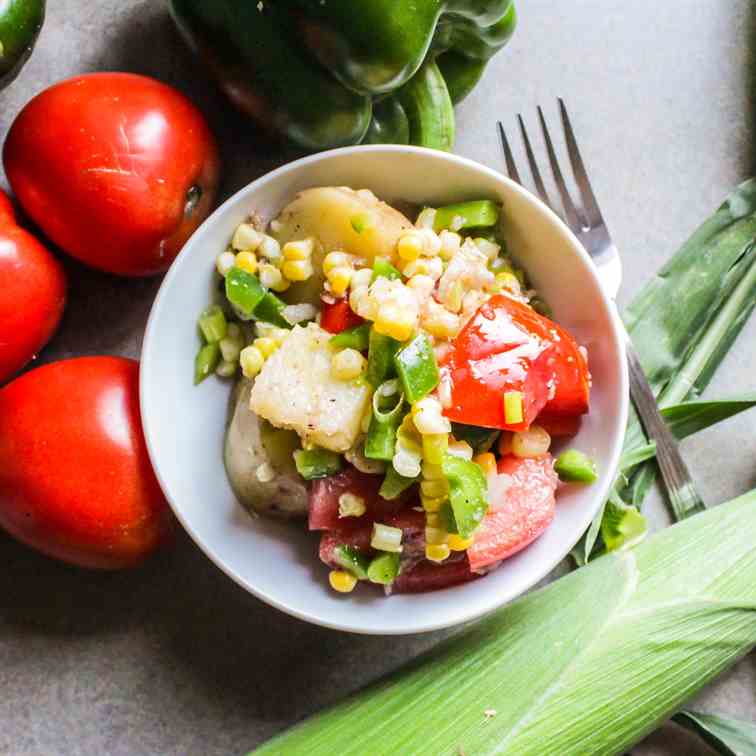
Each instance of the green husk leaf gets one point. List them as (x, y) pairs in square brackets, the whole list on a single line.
[(726, 735), (622, 525), (589, 665)]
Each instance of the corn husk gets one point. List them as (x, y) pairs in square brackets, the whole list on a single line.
[(725, 735), (588, 665)]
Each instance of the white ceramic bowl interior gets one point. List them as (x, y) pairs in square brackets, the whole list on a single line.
[(184, 424)]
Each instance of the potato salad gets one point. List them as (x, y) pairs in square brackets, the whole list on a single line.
[(399, 384)]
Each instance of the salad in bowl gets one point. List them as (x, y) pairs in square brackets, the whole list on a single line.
[(399, 385)]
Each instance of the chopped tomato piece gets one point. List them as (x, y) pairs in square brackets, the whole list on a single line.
[(522, 503), (426, 576), (507, 346), (325, 493), (336, 317), (559, 425)]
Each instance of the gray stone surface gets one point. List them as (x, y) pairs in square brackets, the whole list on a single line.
[(176, 659)]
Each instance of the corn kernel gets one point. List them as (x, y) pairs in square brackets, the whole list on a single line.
[(230, 348), (251, 360), (433, 267), (226, 368), (433, 520), (513, 407), (224, 262), (435, 536), (297, 270), (533, 442), (435, 446), (246, 261), (336, 260), (391, 321), (298, 250), (432, 471), (450, 244), (437, 553), (460, 449), (434, 488), (362, 277), (428, 417), (457, 543), (432, 504), (339, 279), (507, 282), (269, 248), (270, 276), (351, 505), (488, 248), (274, 332), (342, 581), (347, 365), (453, 298), (410, 246), (426, 218), (246, 238), (266, 345), (486, 462)]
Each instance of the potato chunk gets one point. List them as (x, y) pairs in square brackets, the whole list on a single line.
[(338, 218), (296, 390)]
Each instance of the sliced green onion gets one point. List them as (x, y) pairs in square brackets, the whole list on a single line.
[(417, 369), (244, 291), (622, 525), (206, 361), (388, 403), (316, 463), (212, 323), (353, 338), (394, 484), (475, 214), (480, 439), (386, 538), (382, 268), (513, 407), (381, 351), (574, 466), (226, 368), (353, 560), (467, 493), (383, 569)]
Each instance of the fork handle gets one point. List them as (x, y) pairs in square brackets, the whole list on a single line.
[(681, 491)]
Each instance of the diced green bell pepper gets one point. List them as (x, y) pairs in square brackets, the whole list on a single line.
[(381, 351), (575, 467), (352, 338), (468, 492), (417, 369), (384, 568), (327, 74), (316, 463), (20, 24), (475, 214), (353, 560)]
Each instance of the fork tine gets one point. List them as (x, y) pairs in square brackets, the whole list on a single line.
[(578, 168), (540, 188), (570, 211), (511, 166)]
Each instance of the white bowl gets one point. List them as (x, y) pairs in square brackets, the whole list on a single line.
[(184, 424)]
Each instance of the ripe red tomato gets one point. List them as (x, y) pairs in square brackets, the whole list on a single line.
[(75, 479), (117, 169), (507, 346), (32, 294), (336, 317)]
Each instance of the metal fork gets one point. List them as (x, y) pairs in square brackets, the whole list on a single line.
[(586, 222)]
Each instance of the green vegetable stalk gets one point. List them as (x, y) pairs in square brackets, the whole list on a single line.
[(327, 74), (20, 24)]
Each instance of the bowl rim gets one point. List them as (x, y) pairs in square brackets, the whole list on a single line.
[(598, 495)]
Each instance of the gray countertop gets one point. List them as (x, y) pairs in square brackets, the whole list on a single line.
[(174, 658)]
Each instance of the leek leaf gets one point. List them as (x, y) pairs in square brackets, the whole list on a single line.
[(589, 665), (727, 736)]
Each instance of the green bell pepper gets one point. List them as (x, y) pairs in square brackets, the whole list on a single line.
[(328, 74), (20, 24)]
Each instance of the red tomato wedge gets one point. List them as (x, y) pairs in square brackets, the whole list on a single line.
[(325, 493), (336, 317), (507, 346), (522, 503)]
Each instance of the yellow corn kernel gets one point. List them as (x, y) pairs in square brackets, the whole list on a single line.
[(342, 581), (507, 282), (246, 261), (266, 345), (457, 543), (433, 471), (453, 299), (513, 407), (437, 553), (347, 364), (351, 505), (434, 488), (427, 417), (336, 260), (298, 250), (410, 246), (432, 504), (246, 238), (435, 536), (434, 447), (392, 322), (486, 462), (251, 360), (224, 262), (297, 270), (433, 520), (533, 442), (339, 279), (270, 276)]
